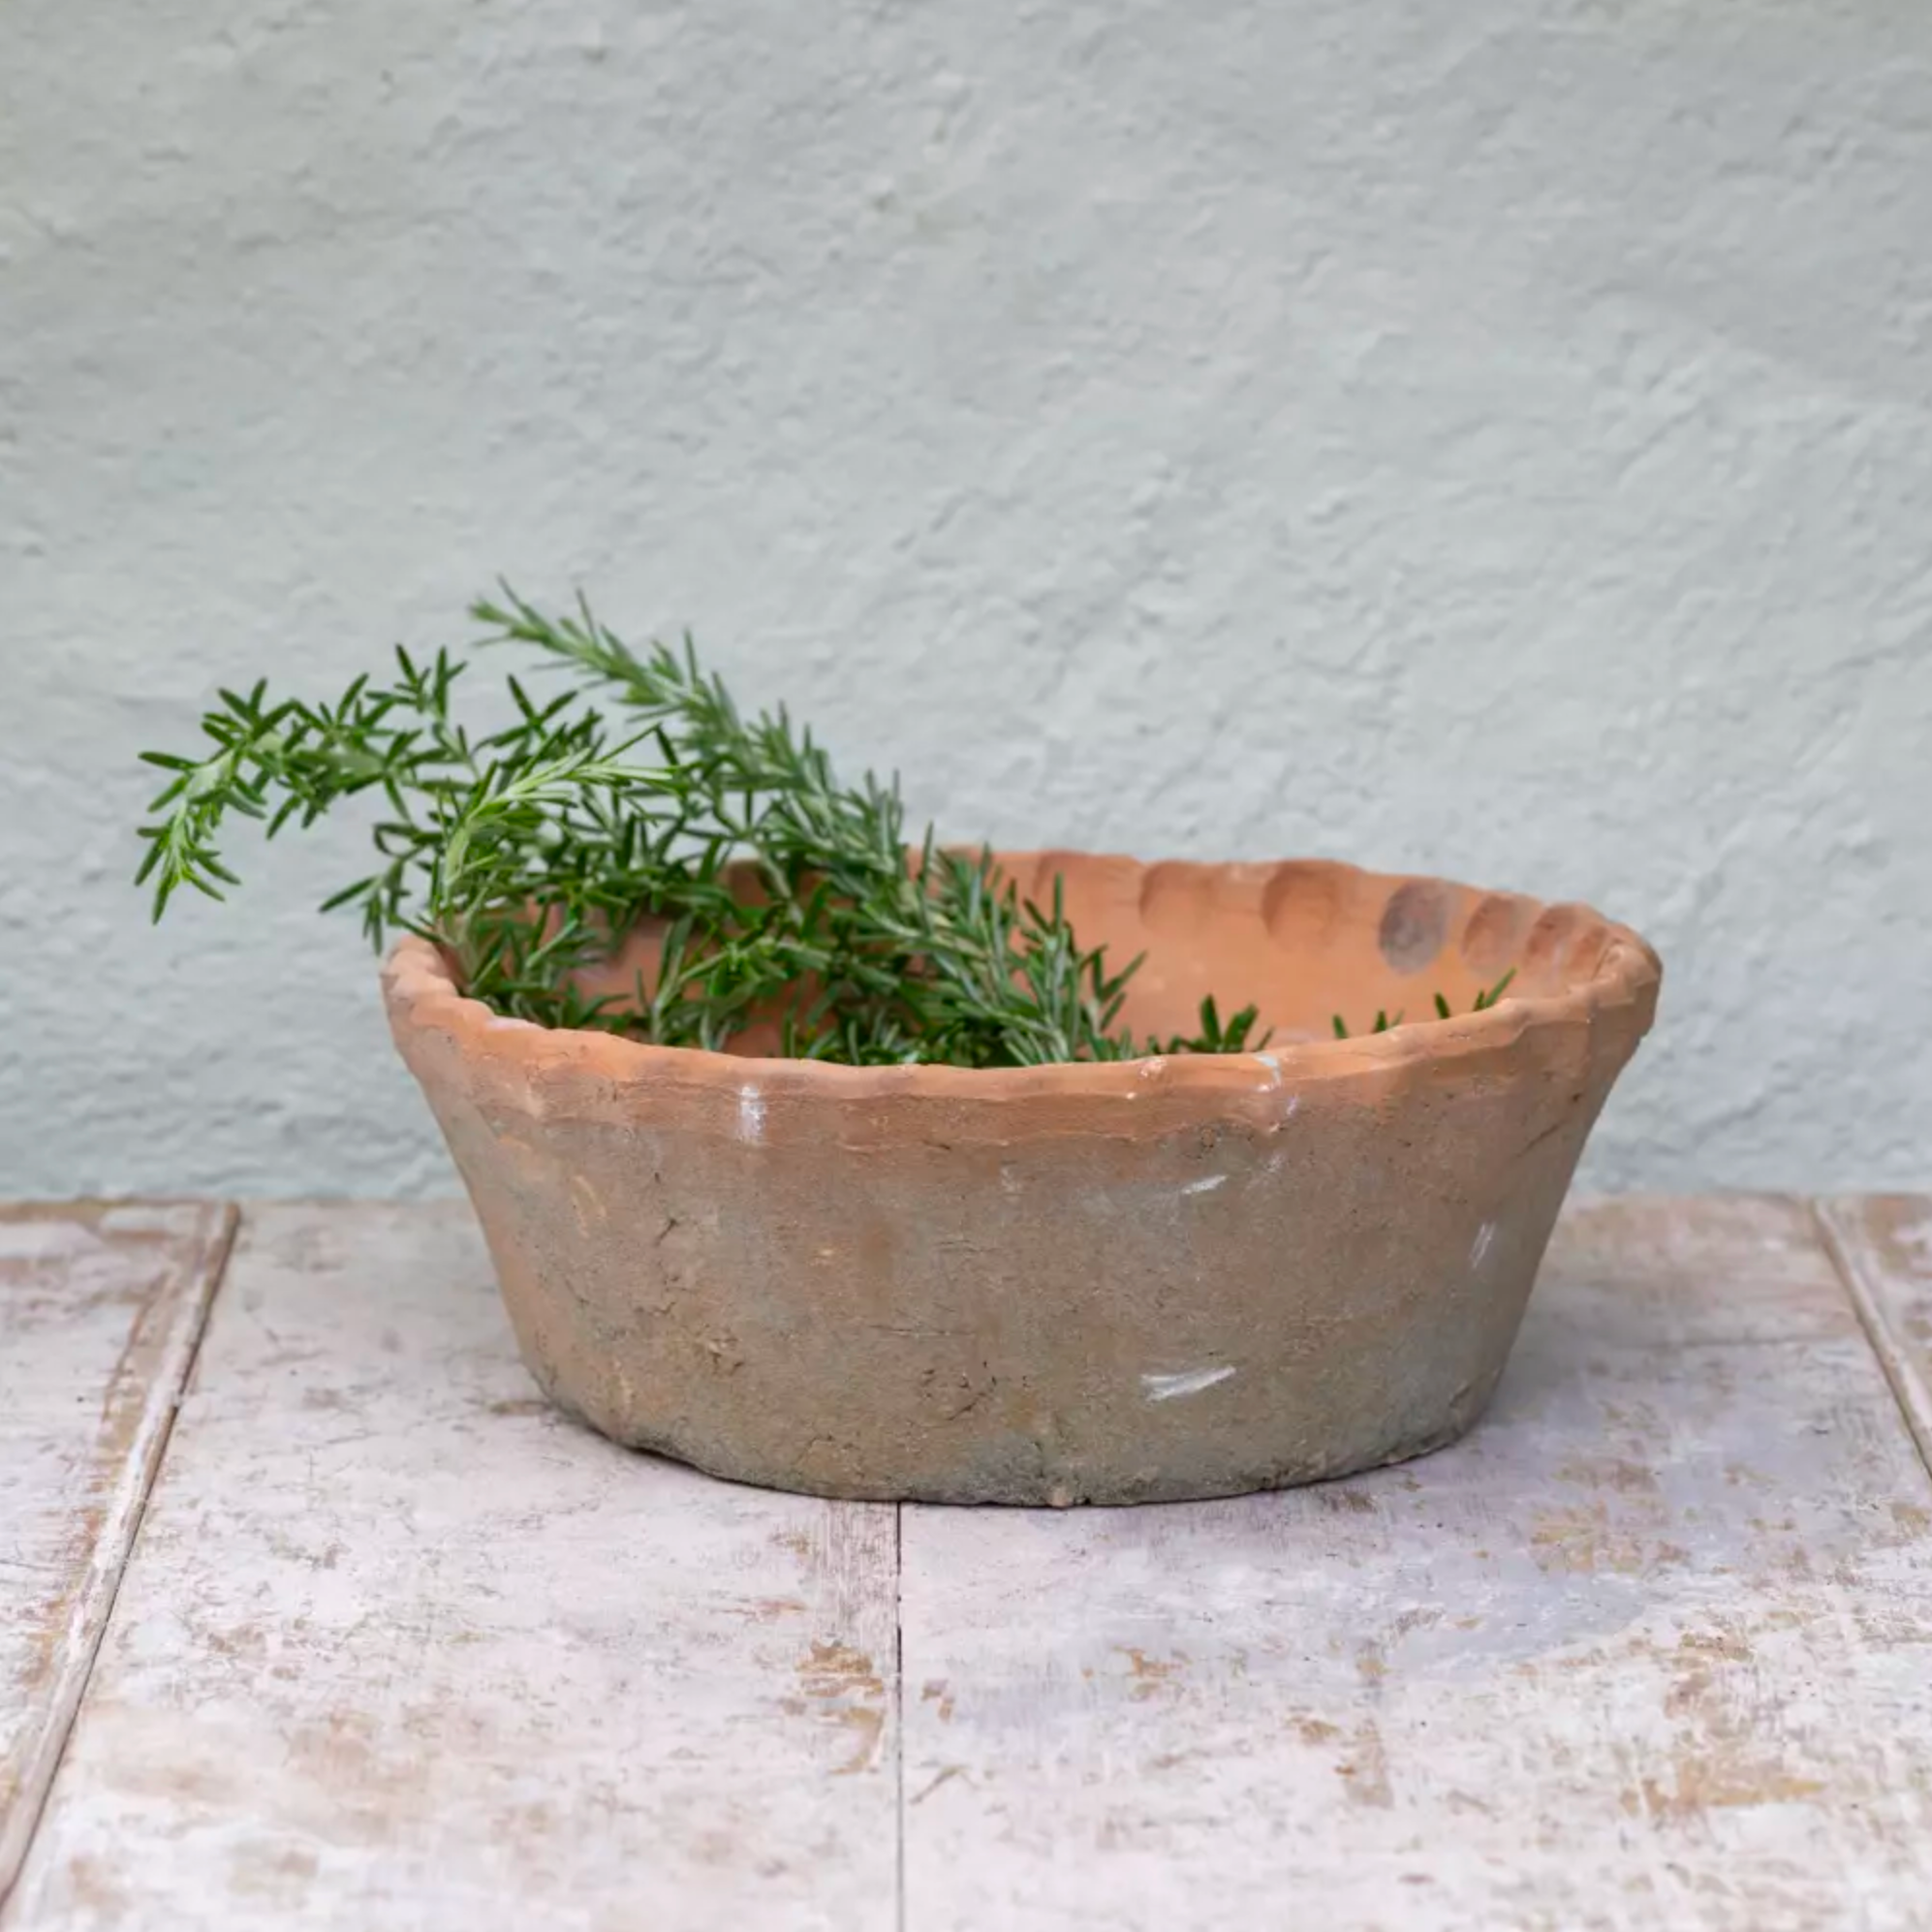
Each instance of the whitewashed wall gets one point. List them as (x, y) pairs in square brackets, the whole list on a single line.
[(1488, 438)]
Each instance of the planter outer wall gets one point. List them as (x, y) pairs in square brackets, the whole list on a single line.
[(1163, 1279)]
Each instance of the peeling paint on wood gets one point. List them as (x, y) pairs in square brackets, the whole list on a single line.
[(1884, 1244), (400, 1647), (100, 1308), (1653, 1646)]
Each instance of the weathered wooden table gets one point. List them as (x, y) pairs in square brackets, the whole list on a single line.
[(365, 1635)]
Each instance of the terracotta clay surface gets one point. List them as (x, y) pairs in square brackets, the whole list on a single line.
[(1157, 1279)]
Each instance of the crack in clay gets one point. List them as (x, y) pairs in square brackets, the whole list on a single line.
[(1190, 1382)]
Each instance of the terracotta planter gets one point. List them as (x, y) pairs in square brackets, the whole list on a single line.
[(1098, 1283)]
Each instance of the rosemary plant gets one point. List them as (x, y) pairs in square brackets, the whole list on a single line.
[(529, 850), (1484, 1000)]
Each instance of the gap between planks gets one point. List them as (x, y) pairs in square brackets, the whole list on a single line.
[(899, 1716), (1869, 1317), (92, 1609), (399, 1633), (1646, 1648), (1841, 1230)]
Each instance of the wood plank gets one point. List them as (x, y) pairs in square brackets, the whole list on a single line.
[(100, 1309), (402, 1646), (1653, 1646), (1882, 1244)]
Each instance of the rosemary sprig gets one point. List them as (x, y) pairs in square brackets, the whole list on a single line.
[(529, 851), (1483, 1002)]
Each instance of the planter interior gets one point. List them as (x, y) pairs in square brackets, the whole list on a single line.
[(1177, 1277), (1305, 940)]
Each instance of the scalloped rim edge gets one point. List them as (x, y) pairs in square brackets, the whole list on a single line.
[(421, 994)]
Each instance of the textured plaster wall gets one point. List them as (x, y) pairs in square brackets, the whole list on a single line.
[(1490, 438)]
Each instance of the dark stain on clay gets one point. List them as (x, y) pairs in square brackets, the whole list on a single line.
[(1413, 925)]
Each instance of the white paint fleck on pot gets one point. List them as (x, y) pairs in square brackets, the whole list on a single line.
[(1190, 1382), (588, 1203), (751, 1114)]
